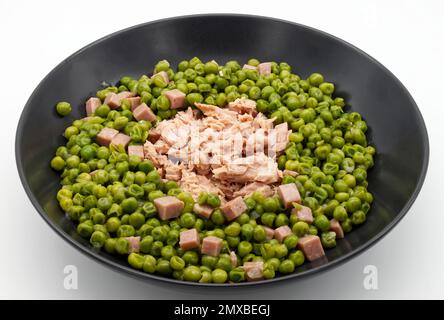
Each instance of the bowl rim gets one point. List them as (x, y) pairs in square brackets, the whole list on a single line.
[(139, 274)]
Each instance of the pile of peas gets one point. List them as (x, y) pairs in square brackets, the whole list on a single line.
[(110, 194)]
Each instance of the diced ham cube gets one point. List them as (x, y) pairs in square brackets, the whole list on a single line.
[(189, 239), (124, 95), (112, 100), (163, 74), (176, 97), (168, 207), (105, 136), (203, 210), (311, 247), (233, 259), (234, 208), (211, 246), (136, 151), (289, 193), (249, 67), (282, 232), (92, 104), (336, 227), (303, 213), (264, 68), (143, 112), (134, 102), (269, 232), (121, 139), (254, 270), (133, 244)]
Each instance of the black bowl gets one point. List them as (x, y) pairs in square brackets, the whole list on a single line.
[(396, 126)]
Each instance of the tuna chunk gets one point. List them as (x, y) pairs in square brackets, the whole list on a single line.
[(143, 112), (290, 173), (249, 67), (336, 227), (133, 244), (121, 139), (234, 208), (211, 246), (105, 136), (264, 68), (311, 247), (91, 105), (168, 207), (247, 190), (269, 232), (136, 151), (254, 270), (233, 259), (163, 74), (134, 102), (189, 239), (243, 105), (303, 213), (204, 210), (176, 97), (289, 193)]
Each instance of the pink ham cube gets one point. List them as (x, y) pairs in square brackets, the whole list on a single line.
[(121, 139), (289, 193), (189, 239), (282, 232), (124, 95), (234, 208), (264, 68), (163, 74), (136, 151), (336, 227), (311, 247), (254, 270), (112, 100), (211, 246), (168, 207), (303, 213), (92, 104), (133, 244), (249, 67), (269, 232), (143, 112), (203, 210), (176, 97), (134, 102), (106, 135)]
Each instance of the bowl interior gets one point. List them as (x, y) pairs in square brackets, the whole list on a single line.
[(396, 126)]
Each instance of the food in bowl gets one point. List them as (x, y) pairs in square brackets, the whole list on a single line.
[(216, 173)]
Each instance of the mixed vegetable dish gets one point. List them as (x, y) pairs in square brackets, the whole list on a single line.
[(216, 173)]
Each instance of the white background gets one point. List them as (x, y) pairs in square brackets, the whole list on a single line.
[(406, 36)]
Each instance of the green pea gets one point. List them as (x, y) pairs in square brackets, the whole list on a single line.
[(63, 108), (57, 163), (136, 260), (297, 257), (286, 266), (192, 273), (259, 234), (244, 248), (219, 276), (149, 265), (98, 239), (328, 239), (358, 217), (300, 228)]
